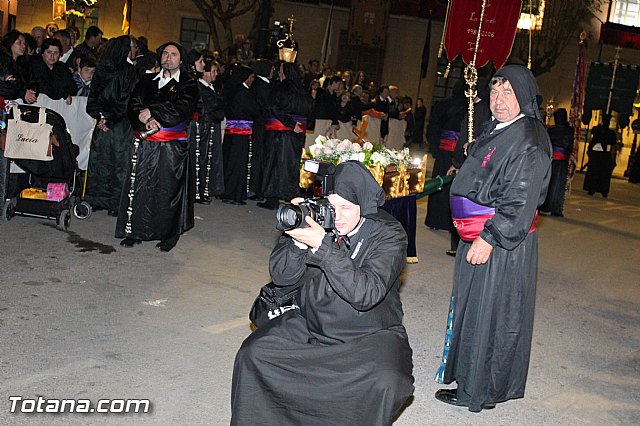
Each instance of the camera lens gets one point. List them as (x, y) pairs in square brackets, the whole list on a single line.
[(289, 216)]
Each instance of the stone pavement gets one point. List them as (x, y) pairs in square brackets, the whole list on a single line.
[(82, 317)]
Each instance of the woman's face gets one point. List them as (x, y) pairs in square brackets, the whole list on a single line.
[(345, 97), (18, 47), (199, 64)]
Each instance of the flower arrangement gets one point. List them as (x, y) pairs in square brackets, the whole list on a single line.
[(337, 151)]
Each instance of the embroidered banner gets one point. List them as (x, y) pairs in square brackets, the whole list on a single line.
[(368, 22), (498, 30)]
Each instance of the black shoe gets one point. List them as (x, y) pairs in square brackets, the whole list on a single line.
[(267, 205), (451, 253), (204, 200), (113, 213), (450, 396), (256, 198), (167, 245), (234, 202), (129, 242)]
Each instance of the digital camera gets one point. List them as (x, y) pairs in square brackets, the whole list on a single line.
[(290, 216)]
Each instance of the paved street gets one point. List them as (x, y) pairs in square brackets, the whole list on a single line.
[(82, 317)]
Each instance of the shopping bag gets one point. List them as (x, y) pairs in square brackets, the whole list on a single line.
[(28, 141)]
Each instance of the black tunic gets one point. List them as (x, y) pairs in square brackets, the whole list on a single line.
[(162, 202), (262, 92), (508, 170), (206, 136), (344, 358), (561, 137), (109, 153), (283, 149), (446, 115), (600, 166), (236, 147)]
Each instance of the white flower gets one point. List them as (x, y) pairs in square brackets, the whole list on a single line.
[(343, 146), (356, 147), (367, 146), (321, 139), (327, 150), (357, 156)]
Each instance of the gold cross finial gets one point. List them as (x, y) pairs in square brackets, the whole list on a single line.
[(291, 21)]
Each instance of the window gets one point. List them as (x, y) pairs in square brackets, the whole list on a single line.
[(194, 34), (625, 12)]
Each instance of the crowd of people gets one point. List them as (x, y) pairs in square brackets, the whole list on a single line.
[(157, 149)]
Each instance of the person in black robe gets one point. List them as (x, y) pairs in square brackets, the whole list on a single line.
[(344, 356), (261, 88), (289, 107), (493, 201), (52, 77), (419, 115), (443, 133), (157, 200), (206, 136), (241, 111), (326, 105), (107, 104), (600, 166), (561, 136)]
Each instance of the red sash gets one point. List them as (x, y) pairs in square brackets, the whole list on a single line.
[(448, 144)]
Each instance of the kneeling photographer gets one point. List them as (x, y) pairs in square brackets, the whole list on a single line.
[(343, 357)]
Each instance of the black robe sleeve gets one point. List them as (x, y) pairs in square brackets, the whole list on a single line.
[(522, 187), (110, 94), (288, 100)]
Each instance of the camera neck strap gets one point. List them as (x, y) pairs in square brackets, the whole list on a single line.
[(363, 235)]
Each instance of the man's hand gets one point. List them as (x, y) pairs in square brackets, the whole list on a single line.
[(68, 100), (144, 116), (311, 236), (479, 252), (298, 128), (102, 125), (452, 170), (152, 124)]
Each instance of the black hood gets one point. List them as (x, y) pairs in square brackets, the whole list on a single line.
[(355, 183), (525, 87)]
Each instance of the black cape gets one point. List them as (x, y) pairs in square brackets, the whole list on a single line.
[(600, 166), (109, 153), (163, 199)]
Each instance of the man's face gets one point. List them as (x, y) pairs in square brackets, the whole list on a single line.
[(393, 93), (503, 102), (39, 36), (249, 80), (94, 41), (66, 44), (170, 60), (51, 56), (87, 73), (347, 214)]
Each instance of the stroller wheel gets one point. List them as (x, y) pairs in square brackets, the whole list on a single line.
[(8, 210), (82, 210), (64, 220)]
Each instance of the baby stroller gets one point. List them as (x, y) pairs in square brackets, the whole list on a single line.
[(32, 194)]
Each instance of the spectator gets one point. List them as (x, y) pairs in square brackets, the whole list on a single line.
[(52, 77), (39, 34), (67, 48), (15, 81), (92, 39), (84, 75)]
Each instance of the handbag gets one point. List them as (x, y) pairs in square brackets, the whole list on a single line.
[(28, 141), (272, 302)]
